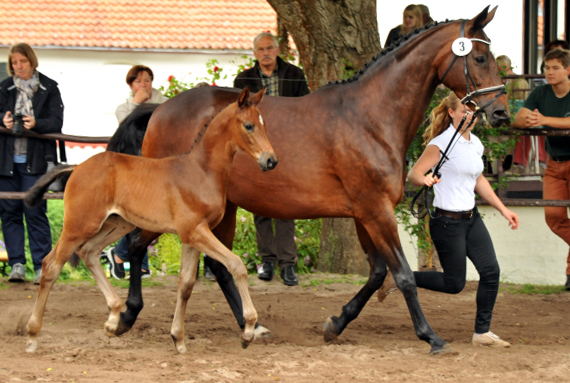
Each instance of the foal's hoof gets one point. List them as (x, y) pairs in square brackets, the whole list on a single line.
[(330, 330), (441, 349), (245, 343), (31, 345), (261, 332)]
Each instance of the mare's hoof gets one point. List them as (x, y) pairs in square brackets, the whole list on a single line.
[(261, 332), (121, 328), (441, 349), (330, 330)]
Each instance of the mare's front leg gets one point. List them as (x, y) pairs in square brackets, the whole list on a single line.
[(225, 232), (203, 240), (189, 260), (138, 241)]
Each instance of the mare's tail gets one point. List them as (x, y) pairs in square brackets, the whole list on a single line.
[(129, 135), (36, 193)]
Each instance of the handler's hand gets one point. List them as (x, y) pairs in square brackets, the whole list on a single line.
[(430, 180), (512, 217)]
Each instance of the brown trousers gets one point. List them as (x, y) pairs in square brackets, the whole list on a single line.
[(279, 246), (557, 186)]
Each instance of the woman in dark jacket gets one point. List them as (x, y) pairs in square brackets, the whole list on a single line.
[(34, 100)]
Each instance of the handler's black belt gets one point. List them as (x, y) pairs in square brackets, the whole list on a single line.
[(561, 158), (455, 214)]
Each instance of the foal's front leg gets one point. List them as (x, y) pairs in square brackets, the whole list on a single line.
[(203, 240), (188, 265)]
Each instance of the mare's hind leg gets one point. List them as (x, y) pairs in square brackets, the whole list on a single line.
[(334, 326), (386, 240), (138, 241), (51, 268), (203, 240), (188, 265), (225, 232)]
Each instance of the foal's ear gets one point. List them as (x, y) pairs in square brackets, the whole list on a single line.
[(482, 19), (256, 98), (243, 97)]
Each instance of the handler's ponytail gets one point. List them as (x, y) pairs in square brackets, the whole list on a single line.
[(440, 118)]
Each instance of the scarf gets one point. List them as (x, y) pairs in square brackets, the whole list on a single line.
[(24, 106)]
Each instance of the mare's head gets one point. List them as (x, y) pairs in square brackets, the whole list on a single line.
[(470, 47), (249, 131)]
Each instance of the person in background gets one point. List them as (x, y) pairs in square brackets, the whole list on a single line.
[(139, 79), (554, 44), (284, 80), (517, 91), (426, 18), (23, 161), (456, 227), (549, 106), (412, 19)]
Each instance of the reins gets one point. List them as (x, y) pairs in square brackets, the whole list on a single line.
[(461, 48)]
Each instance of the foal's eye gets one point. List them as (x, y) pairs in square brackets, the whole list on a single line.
[(480, 59), (248, 126)]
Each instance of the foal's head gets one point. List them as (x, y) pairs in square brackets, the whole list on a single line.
[(249, 130)]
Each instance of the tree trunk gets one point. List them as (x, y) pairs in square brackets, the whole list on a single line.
[(335, 38)]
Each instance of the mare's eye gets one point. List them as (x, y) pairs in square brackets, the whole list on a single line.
[(480, 59), (248, 126)]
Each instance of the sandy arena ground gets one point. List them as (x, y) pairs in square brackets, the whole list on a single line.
[(380, 345)]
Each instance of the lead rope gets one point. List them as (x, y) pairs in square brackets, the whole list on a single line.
[(419, 214)]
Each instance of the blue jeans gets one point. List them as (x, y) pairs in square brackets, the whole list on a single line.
[(456, 240), (12, 212), (122, 251)]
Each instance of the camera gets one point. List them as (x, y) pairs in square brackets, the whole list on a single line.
[(18, 127)]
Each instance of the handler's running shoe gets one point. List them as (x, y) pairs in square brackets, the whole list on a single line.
[(489, 339), (117, 269)]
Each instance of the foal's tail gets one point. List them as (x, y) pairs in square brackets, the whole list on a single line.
[(36, 193), (129, 135)]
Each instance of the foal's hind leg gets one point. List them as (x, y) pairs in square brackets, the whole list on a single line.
[(51, 269), (188, 265), (203, 240), (113, 229)]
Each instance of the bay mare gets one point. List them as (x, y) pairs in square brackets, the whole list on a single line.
[(110, 194), (342, 153)]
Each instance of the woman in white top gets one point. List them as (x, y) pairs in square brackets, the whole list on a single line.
[(139, 79), (456, 227)]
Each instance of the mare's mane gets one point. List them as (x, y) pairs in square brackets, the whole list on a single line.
[(394, 47)]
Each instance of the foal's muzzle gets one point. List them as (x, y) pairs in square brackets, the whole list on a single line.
[(267, 161)]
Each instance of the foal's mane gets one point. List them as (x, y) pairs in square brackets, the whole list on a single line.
[(394, 47)]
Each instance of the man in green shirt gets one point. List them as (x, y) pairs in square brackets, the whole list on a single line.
[(549, 106)]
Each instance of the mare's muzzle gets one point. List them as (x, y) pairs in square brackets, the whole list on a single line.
[(267, 161)]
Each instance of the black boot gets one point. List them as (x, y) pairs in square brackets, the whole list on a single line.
[(288, 276)]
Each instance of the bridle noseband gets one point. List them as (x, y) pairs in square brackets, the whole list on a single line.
[(500, 89)]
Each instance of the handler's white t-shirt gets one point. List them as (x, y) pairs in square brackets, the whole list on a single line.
[(456, 191)]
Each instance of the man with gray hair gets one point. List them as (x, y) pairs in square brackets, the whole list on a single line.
[(283, 80)]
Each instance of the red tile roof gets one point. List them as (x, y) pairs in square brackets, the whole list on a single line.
[(134, 24)]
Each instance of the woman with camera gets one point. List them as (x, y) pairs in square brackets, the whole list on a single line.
[(28, 100)]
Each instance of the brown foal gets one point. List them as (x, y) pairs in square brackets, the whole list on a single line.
[(110, 194)]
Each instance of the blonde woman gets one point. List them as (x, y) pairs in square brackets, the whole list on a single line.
[(412, 19), (456, 227)]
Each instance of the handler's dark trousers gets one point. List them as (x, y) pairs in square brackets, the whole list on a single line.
[(12, 213), (557, 186), (278, 247), (456, 240)]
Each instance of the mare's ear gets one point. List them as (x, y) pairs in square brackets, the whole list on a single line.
[(482, 19), (256, 98), (243, 97)]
